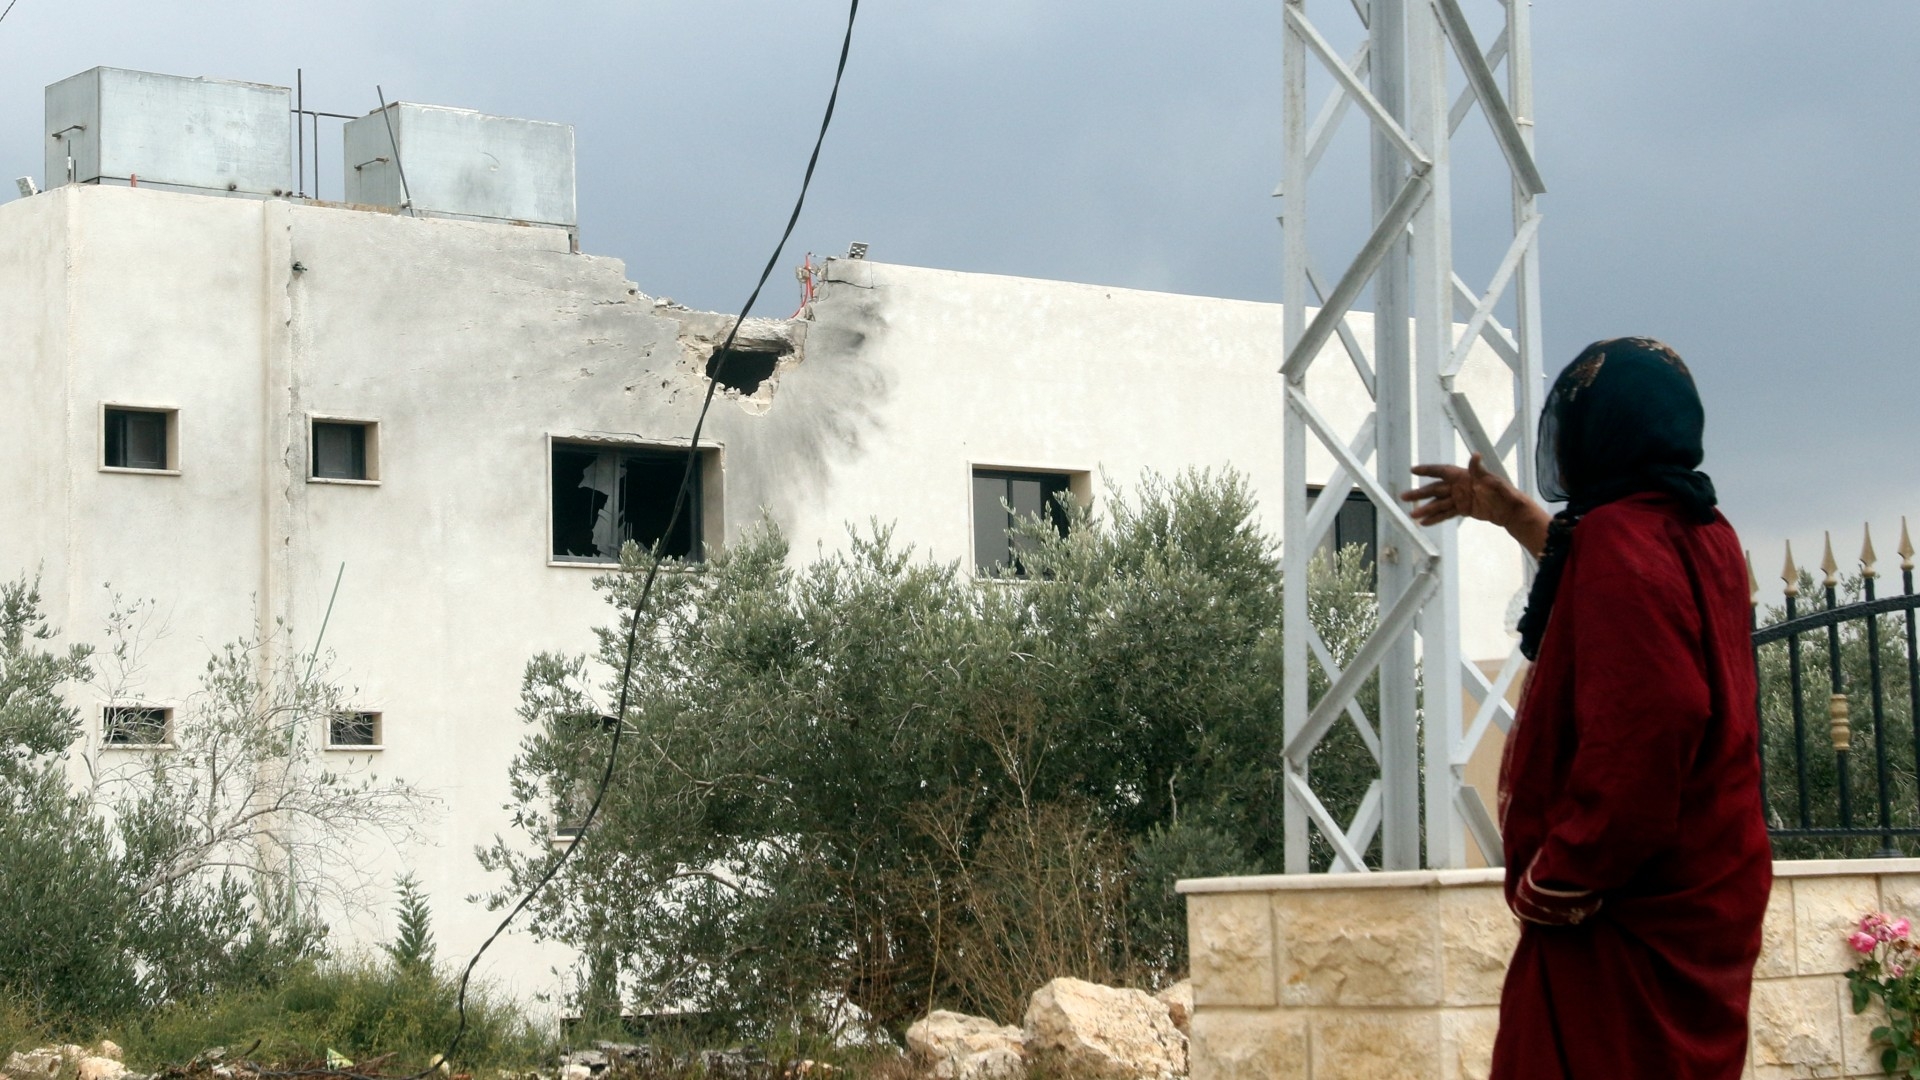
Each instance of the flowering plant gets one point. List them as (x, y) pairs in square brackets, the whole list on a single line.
[(1889, 969)]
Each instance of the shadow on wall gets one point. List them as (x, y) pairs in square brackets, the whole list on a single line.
[(820, 418)]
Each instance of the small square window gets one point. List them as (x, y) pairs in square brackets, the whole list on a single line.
[(350, 730), (345, 450), (135, 438), (1356, 523), (136, 725), (1030, 495), (604, 496)]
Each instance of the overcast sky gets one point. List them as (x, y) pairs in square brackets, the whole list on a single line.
[(1729, 175)]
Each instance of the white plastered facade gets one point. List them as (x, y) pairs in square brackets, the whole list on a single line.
[(474, 345)]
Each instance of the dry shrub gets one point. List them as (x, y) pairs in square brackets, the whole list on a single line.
[(1041, 895)]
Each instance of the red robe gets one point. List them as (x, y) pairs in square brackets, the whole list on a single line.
[(1637, 853)]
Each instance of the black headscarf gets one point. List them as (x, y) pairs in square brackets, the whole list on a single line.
[(1622, 419)]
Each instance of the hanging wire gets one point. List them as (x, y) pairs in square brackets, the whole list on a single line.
[(655, 556)]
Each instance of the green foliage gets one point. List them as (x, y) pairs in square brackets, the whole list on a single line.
[(358, 1009), (36, 724), (884, 781), (171, 876), (411, 951), (1167, 853), (1822, 788)]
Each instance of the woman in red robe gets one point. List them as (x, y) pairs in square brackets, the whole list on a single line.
[(1636, 851)]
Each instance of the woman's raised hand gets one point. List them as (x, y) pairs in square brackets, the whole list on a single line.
[(1473, 492)]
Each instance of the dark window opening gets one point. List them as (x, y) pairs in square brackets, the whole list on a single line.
[(136, 439), (353, 729), (1030, 495), (744, 369), (339, 451), (136, 725), (1356, 523), (604, 497)]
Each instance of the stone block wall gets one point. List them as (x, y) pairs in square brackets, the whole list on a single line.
[(1397, 976)]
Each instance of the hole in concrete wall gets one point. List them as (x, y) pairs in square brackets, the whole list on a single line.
[(741, 368)]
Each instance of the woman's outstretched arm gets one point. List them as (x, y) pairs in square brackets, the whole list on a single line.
[(1474, 492)]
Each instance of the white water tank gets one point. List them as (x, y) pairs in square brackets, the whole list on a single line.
[(463, 164), (114, 126)]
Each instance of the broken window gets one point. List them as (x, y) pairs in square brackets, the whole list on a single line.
[(138, 439), (1355, 524), (347, 730), (136, 725), (604, 496), (744, 369), (1030, 495), (344, 450)]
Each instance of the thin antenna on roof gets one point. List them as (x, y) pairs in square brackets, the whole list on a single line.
[(405, 194)]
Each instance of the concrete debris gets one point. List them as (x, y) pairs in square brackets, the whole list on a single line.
[(955, 1046), (70, 1062), (1085, 1029), (98, 1068), (740, 1063), (1178, 999), (33, 1064)]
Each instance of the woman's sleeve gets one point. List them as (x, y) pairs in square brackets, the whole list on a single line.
[(1641, 707)]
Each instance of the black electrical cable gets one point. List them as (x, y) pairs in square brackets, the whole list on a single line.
[(9, 11), (721, 355), (654, 556)]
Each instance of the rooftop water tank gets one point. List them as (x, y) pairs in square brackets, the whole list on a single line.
[(463, 164), (111, 125)]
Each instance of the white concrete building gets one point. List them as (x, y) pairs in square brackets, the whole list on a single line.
[(218, 402)]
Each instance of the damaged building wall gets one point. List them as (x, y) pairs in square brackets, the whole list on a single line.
[(964, 370), (458, 355)]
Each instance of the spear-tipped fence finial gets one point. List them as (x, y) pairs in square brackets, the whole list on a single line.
[(1753, 582), (1906, 545), (1791, 574), (1830, 565), (1867, 557)]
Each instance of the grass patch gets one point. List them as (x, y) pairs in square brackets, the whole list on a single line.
[(21, 1028), (359, 1009)]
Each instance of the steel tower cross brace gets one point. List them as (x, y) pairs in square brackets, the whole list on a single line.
[(1435, 705)]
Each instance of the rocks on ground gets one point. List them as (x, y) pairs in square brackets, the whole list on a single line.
[(629, 1059), (1103, 1031), (955, 1046), (1178, 999), (69, 1062), (1072, 1028)]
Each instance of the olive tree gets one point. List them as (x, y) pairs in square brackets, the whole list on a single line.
[(878, 780)]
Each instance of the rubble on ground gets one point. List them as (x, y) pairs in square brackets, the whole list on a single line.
[(1072, 1028), (1086, 1029), (68, 1062), (955, 1046)]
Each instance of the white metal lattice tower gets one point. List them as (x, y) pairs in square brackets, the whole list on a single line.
[(1425, 320)]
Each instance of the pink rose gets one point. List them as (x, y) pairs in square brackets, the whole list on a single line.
[(1897, 970), (1901, 928), (1863, 941), (1872, 921)]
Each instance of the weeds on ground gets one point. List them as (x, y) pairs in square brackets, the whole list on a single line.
[(21, 1028), (357, 1009)]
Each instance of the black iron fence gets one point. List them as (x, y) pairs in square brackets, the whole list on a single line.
[(1840, 710)]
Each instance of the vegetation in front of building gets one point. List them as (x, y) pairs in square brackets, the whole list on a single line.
[(872, 785)]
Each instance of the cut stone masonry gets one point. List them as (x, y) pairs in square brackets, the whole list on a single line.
[(1398, 975)]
